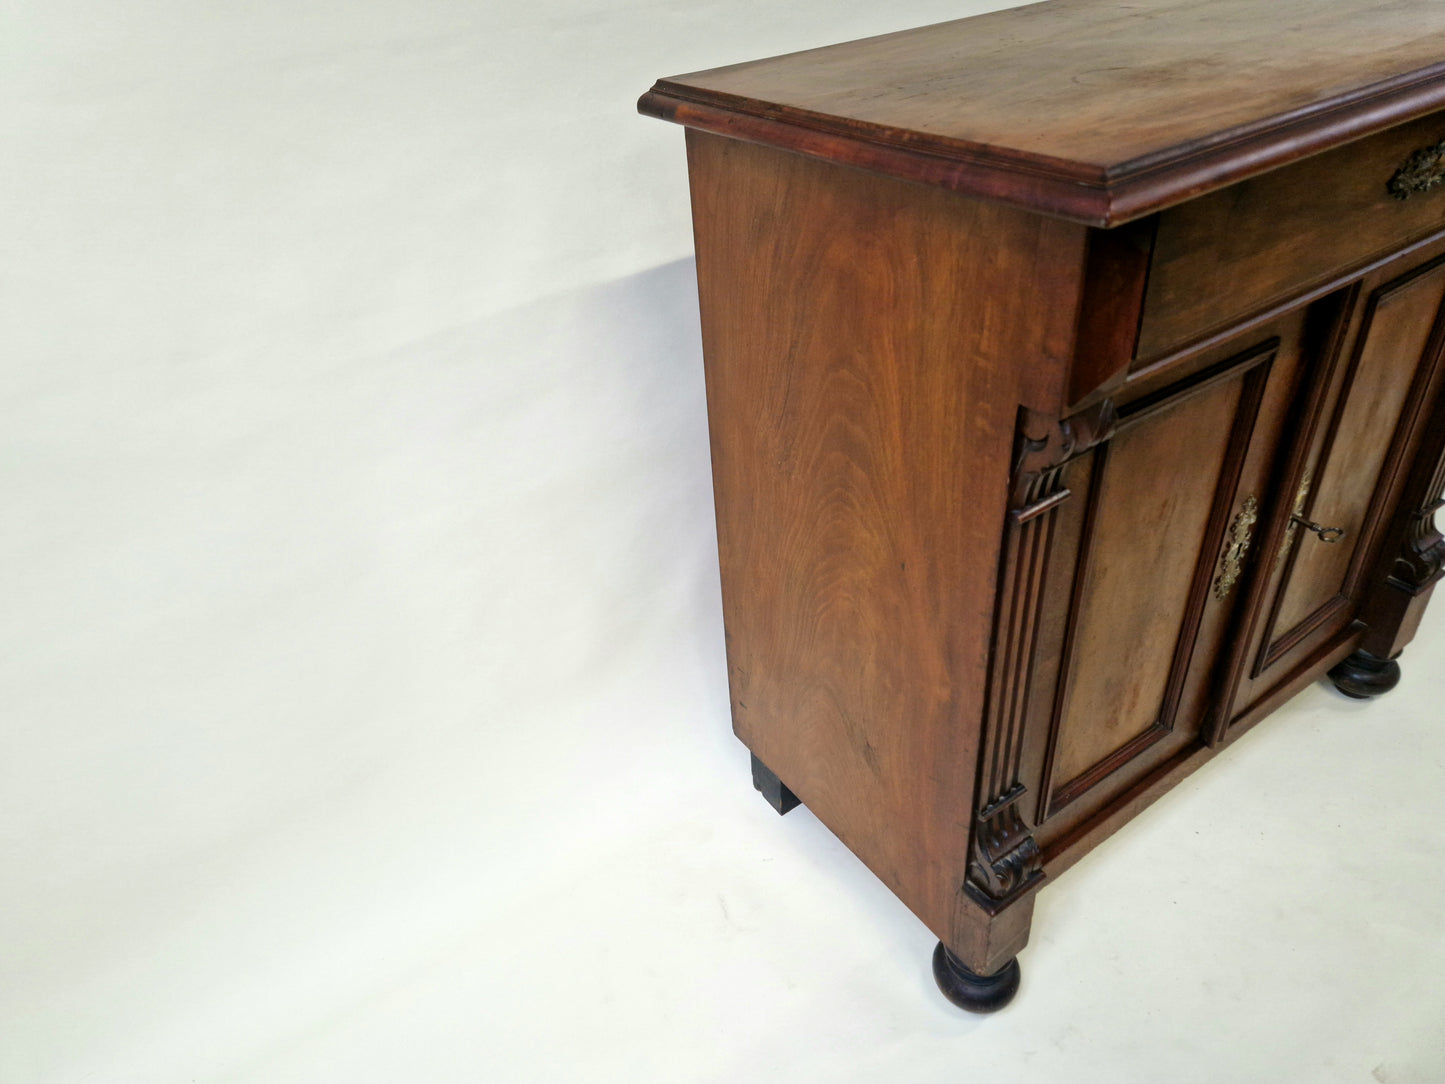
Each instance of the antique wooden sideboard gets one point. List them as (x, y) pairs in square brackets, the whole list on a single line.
[(1074, 380)]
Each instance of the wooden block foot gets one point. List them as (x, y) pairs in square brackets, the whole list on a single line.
[(772, 788)]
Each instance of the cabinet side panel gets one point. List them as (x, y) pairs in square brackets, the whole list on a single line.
[(868, 343)]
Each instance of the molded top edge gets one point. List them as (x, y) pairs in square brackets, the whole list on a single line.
[(1098, 112)]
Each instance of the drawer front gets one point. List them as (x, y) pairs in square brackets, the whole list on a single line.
[(1246, 248)]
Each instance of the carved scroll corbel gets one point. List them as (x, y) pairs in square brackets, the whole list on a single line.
[(1004, 859), (1422, 560), (1044, 444)]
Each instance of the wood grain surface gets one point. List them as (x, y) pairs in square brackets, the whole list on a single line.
[(1392, 344), (868, 344), (1218, 257), (1156, 494), (1376, 374), (1004, 500), (1098, 111)]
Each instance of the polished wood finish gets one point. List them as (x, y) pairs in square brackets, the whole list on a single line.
[(1412, 557), (1219, 257), (848, 322), (1021, 520), (1122, 693), (1361, 428), (1096, 111)]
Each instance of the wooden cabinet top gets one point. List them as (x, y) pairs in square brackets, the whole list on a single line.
[(1092, 110)]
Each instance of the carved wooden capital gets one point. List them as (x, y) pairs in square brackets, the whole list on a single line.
[(1045, 442), (1422, 559), (1044, 445), (1005, 858)]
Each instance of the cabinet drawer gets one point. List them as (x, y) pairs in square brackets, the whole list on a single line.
[(1242, 249)]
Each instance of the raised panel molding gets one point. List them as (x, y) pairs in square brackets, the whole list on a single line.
[(1281, 643), (1251, 368)]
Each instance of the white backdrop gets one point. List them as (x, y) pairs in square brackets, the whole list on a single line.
[(361, 688)]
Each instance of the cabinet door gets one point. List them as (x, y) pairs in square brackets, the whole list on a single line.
[(1360, 423), (1136, 599)]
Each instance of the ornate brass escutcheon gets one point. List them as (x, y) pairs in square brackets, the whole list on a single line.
[(1241, 533), (1420, 172)]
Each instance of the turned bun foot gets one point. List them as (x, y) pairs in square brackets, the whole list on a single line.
[(976, 993), (1362, 675)]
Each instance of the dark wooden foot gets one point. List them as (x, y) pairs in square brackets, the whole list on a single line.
[(976, 993), (771, 788), (1362, 675)]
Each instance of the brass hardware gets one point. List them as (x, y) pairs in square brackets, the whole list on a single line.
[(1420, 172), (1292, 528), (1325, 534), (1241, 533), (1297, 520)]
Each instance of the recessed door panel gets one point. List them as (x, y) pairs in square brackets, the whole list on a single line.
[(1161, 500), (1360, 418), (1144, 553), (1339, 492)]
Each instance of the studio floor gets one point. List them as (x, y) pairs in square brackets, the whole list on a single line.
[(1275, 918), (363, 706)]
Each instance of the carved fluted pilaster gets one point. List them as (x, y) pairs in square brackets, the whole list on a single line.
[(1004, 860)]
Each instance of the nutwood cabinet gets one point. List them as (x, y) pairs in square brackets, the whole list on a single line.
[(1074, 383)]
